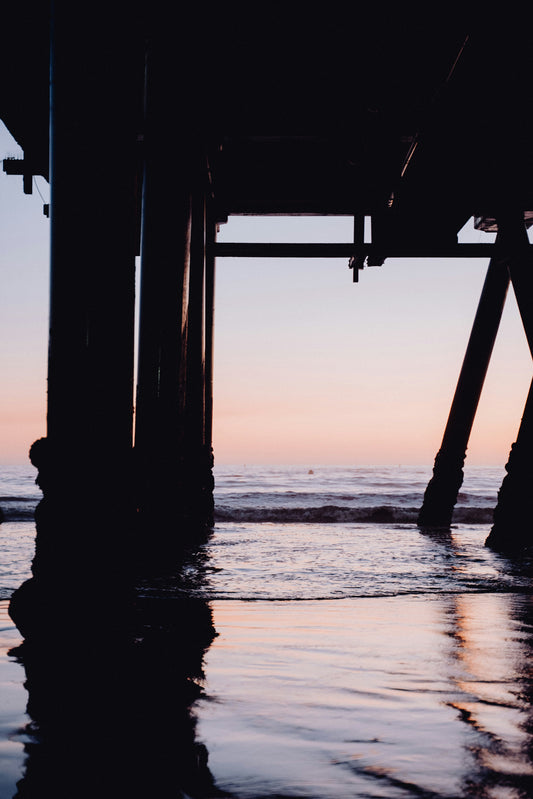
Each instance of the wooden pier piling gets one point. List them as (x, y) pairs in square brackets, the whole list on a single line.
[(172, 433), (197, 500), (84, 462), (90, 375), (442, 490), (92, 294), (164, 291), (512, 529)]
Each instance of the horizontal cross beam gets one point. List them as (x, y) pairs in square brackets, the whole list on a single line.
[(348, 250)]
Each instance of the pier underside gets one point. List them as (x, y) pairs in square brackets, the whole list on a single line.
[(162, 124)]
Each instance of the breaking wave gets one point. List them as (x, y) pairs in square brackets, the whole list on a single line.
[(17, 509), (379, 514)]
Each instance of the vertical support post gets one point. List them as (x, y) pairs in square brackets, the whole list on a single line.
[(198, 495), (171, 429), (93, 166), (90, 377), (357, 262), (195, 408), (84, 462), (442, 490), (210, 273), (165, 265)]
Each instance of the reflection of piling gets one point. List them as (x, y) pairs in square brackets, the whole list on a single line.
[(442, 490), (131, 690)]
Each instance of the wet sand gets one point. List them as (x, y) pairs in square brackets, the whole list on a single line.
[(13, 699), (409, 696), (375, 697)]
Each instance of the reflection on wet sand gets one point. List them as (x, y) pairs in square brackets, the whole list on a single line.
[(111, 711), (382, 697), (393, 697), (490, 664)]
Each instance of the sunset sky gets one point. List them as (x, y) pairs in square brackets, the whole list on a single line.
[(309, 367)]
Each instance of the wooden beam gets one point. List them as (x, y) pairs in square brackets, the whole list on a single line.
[(512, 530), (349, 249), (209, 322)]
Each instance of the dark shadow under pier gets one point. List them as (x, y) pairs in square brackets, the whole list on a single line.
[(112, 672)]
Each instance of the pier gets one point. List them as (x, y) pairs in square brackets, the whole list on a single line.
[(153, 131), (154, 124)]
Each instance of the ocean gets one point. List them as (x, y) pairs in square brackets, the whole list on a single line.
[(356, 655), (311, 532)]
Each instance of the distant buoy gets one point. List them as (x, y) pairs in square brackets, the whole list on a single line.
[(310, 471)]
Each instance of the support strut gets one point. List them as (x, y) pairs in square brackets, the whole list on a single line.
[(512, 529), (442, 490)]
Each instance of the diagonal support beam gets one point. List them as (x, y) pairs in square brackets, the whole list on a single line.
[(514, 238), (512, 529), (442, 490)]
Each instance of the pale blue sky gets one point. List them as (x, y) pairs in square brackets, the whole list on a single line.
[(309, 367), (24, 245)]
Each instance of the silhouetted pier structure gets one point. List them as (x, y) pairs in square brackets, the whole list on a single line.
[(153, 123), (163, 126)]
